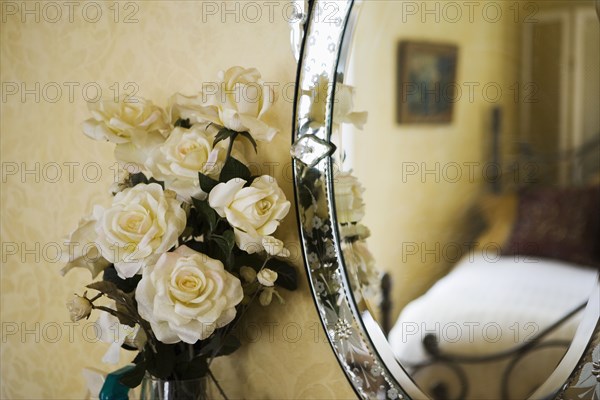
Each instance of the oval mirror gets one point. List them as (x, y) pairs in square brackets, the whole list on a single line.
[(447, 172)]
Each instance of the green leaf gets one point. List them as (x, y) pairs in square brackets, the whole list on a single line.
[(127, 285), (138, 178), (184, 123), (221, 346), (124, 316), (126, 306), (138, 358), (248, 136), (229, 236), (287, 275), (127, 347), (134, 377), (229, 345), (200, 247), (187, 232), (161, 363), (243, 259), (221, 242), (196, 368), (223, 134), (111, 291), (234, 169), (206, 183), (218, 253), (225, 241), (206, 214)]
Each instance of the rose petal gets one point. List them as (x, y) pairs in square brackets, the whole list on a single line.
[(223, 193)]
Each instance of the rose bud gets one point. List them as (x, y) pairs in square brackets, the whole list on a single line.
[(79, 308)]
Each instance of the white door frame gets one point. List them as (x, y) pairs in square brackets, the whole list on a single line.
[(563, 17)]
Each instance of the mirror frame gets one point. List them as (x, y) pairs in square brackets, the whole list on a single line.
[(356, 339)]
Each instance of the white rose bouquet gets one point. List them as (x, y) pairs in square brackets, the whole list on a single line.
[(187, 245)]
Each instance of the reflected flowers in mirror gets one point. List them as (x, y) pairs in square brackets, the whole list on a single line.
[(360, 263), (349, 203), (362, 270), (343, 111)]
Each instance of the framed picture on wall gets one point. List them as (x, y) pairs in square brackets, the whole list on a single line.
[(426, 77)]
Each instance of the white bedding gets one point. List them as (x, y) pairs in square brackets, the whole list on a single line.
[(489, 304)]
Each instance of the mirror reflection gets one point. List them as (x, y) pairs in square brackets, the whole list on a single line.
[(468, 151)]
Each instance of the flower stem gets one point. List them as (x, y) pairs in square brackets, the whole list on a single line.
[(217, 384), (234, 325), (96, 297), (230, 147), (265, 263)]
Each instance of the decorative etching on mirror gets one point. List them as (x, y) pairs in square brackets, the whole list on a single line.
[(584, 383), (314, 179)]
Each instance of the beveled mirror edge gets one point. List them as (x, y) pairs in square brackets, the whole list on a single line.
[(328, 282), (371, 348), (371, 328), (587, 337)]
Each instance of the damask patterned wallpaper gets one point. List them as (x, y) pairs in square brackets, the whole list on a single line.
[(54, 57)]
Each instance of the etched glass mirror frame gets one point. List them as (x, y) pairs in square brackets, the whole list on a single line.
[(356, 339)]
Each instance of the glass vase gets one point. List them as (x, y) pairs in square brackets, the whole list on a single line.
[(159, 389)]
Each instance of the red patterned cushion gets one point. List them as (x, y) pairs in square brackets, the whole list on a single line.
[(558, 223)]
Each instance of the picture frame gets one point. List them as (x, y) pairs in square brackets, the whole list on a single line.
[(426, 78)]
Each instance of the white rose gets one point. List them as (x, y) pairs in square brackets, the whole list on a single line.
[(238, 102), (79, 308), (274, 247), (267, 277), (185, 153), (187, 295), (342, 108), (254, 211), (134, 125), (142, 223), (81, 250), (349, 204), (188, 107)]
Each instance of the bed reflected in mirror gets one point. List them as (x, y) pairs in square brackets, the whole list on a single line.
[(468, 172)]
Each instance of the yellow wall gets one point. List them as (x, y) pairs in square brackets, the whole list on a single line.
[(412, 214), (170, 48)]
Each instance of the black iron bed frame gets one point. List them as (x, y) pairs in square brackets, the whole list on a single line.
[(456, 361)]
